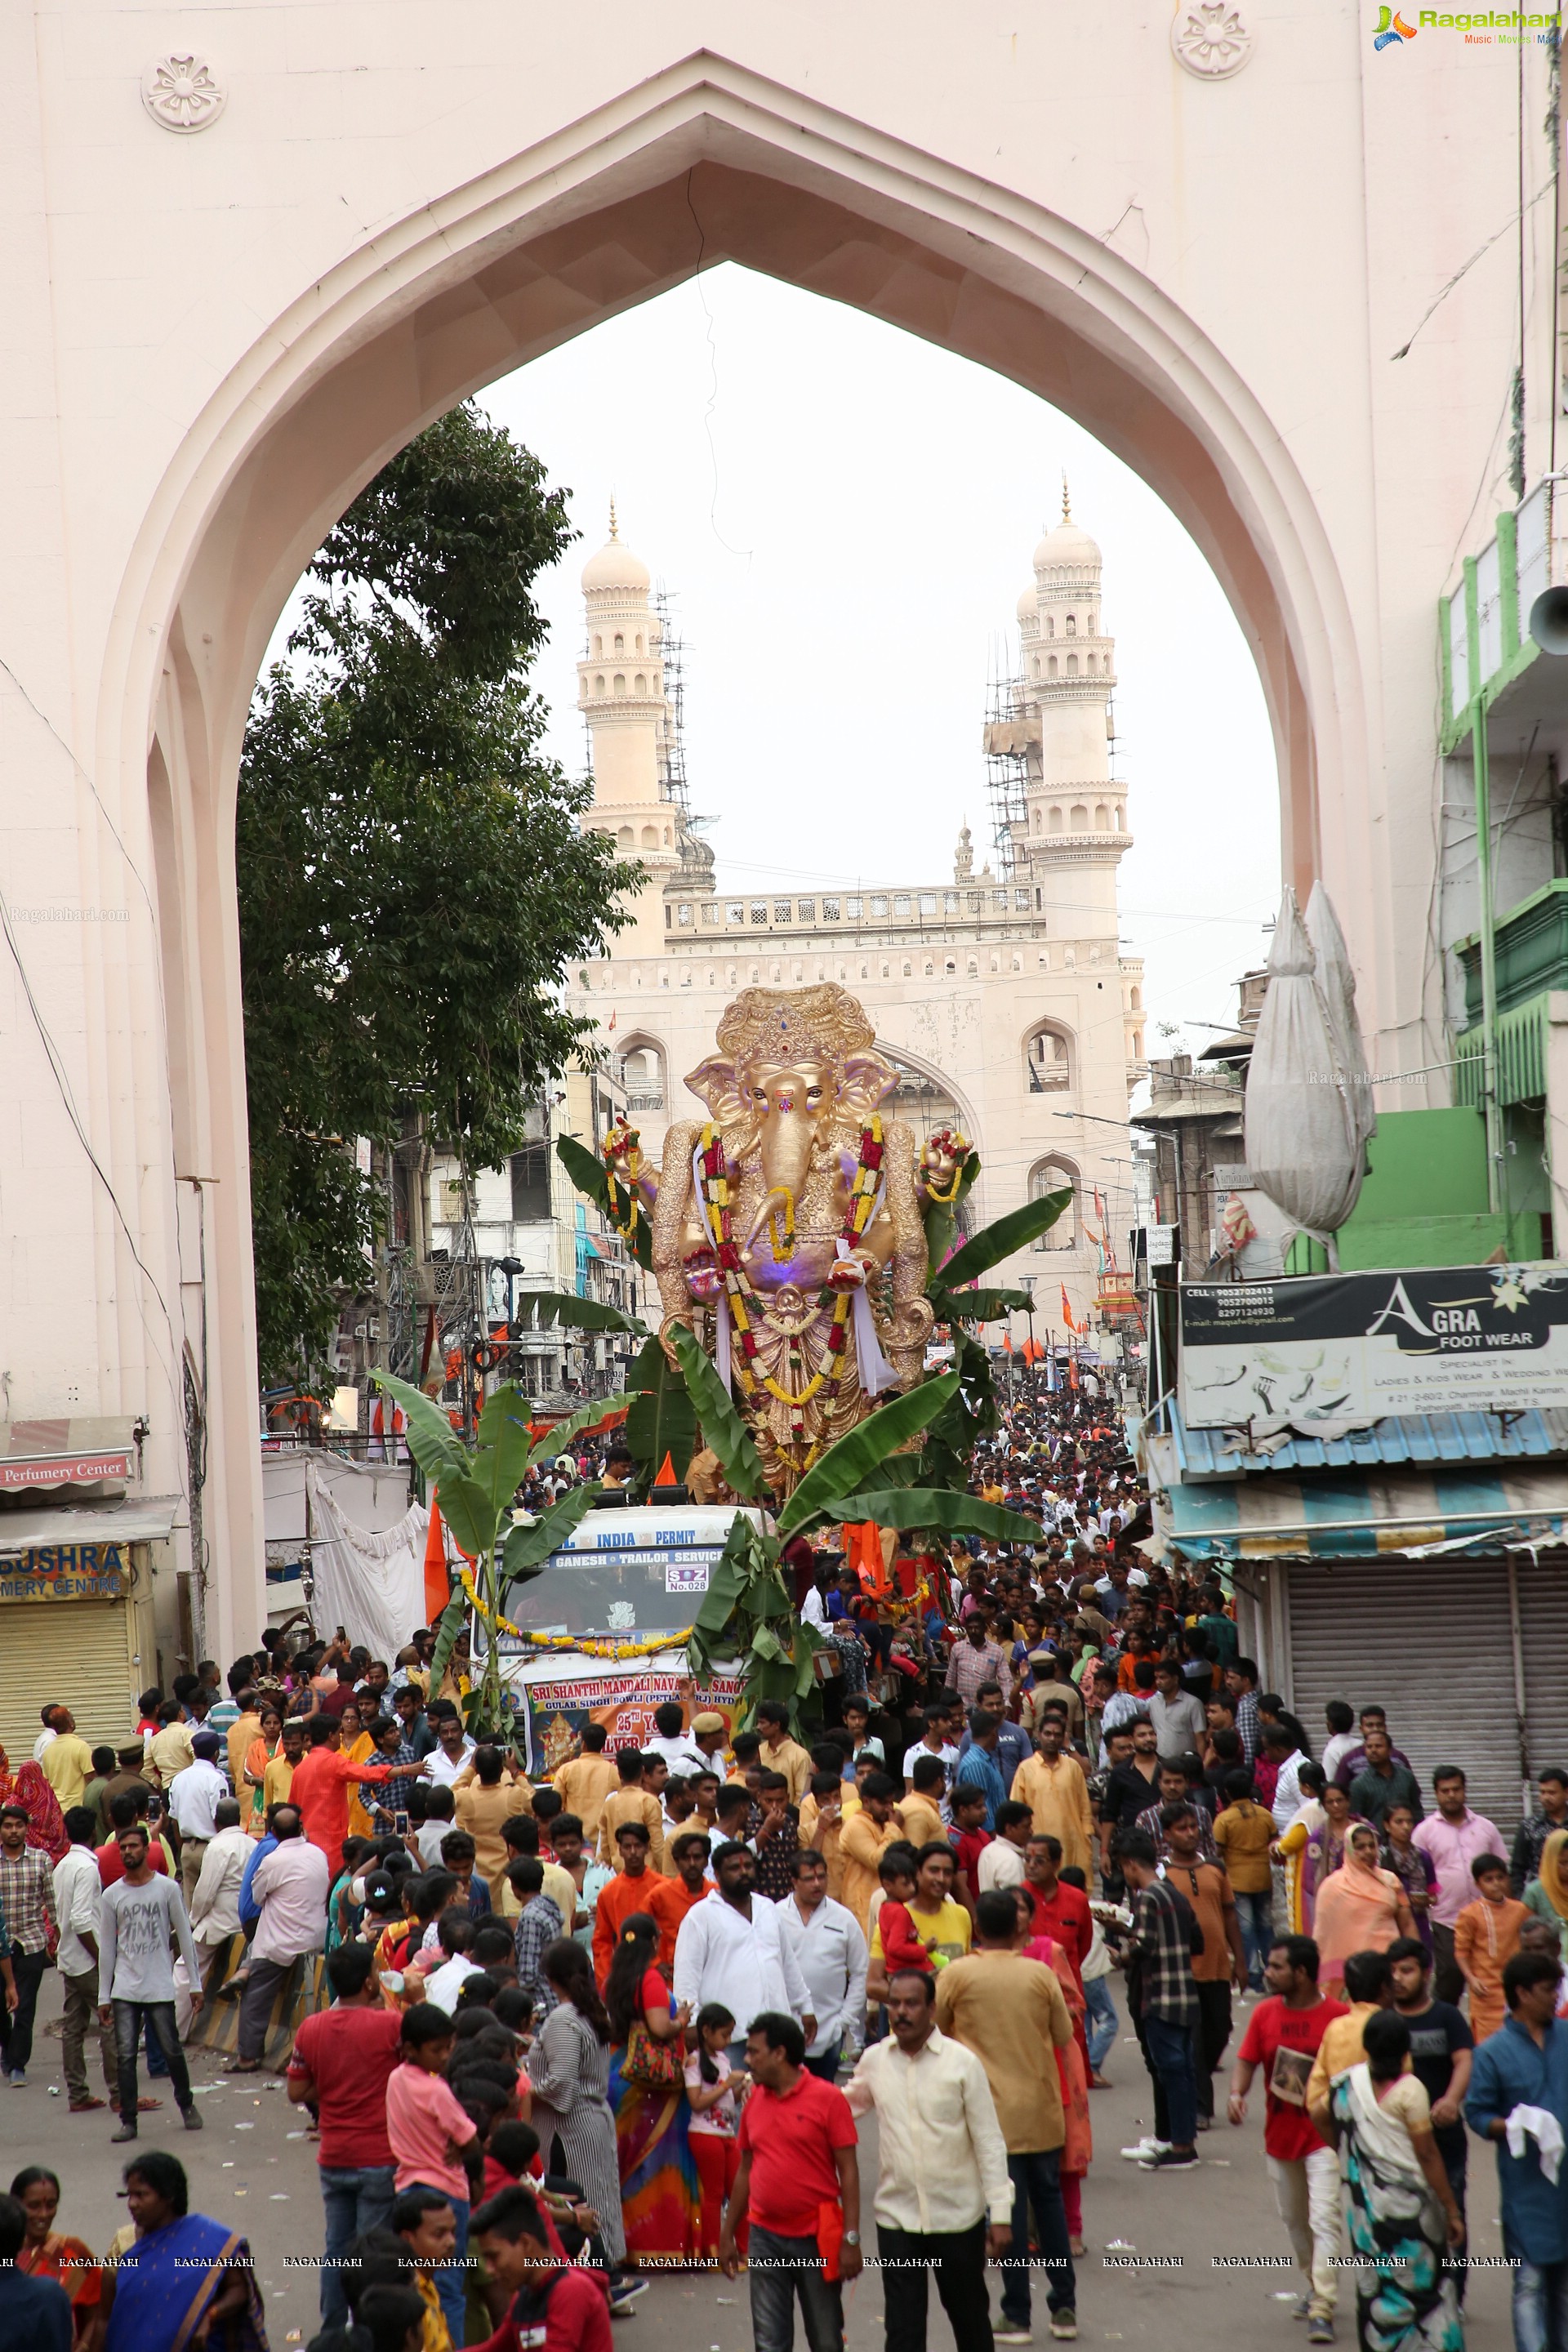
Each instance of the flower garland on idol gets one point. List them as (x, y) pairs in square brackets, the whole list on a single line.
[(742, 1295)]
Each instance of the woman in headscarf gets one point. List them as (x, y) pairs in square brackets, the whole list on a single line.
[(1360, 1908), (1547, 1895), (1403, 2216), (45, 1822)]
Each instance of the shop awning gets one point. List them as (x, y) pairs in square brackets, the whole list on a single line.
[(147, 1518), (1400, 1513)]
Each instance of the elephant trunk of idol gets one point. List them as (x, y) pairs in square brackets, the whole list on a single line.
[(785, 1149)]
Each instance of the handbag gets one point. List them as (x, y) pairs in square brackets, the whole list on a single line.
[(652, 2065)]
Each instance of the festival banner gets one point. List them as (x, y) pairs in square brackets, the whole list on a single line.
[(1346, 1349), (557, 1695)]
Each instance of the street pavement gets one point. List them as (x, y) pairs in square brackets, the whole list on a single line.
[(1174, 2260)]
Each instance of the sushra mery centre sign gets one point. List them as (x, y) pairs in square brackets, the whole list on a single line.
[(86, 1571), (1354, 1347)]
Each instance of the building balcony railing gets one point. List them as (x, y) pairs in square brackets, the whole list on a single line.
[(836, 910)]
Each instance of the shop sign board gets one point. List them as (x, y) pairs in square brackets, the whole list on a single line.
[(82, 1572)]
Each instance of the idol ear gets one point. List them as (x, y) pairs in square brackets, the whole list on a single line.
[(717, 1083), (867, 1079)]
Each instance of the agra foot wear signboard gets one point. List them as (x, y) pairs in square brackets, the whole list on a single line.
[(1344, 1349)]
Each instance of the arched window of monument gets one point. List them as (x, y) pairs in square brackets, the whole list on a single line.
[(1072, 665), (1047, 1055), (1057, 1175)]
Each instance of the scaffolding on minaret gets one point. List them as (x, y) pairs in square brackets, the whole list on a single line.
[(1006, 766), (672, 755)]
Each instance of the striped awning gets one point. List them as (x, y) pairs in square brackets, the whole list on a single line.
[(1350, 1517)]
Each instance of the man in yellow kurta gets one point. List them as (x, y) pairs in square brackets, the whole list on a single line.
[(863, 1839), (67, 1760), (779, 1752), (921, 1812), (631, 1803), (1053, 1787), (587, 1780)]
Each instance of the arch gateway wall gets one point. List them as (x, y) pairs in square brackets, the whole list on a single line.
[(233, 287)]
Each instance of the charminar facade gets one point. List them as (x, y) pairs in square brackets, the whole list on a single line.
[(1001, 995)]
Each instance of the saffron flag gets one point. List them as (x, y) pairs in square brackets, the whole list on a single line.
[(437, 1583)]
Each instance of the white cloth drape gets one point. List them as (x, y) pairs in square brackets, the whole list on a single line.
[(1305, 1144), (373, 1584)]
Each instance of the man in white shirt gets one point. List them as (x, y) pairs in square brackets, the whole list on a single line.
[(672, 1741), (832, 1957), (453, 1747), (290, 1885), (215, 1905), (78, 1899), (48, 1734), (195, 1796), (1001, 1862), (1343, 1738), (731, 1948), (942, 2165)]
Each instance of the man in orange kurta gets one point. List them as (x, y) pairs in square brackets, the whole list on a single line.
[(320, 1786), (864, 1839)]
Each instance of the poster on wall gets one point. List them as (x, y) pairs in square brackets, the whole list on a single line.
[(1346, 1349), (557, 1695)]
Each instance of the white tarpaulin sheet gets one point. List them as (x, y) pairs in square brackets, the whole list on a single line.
[(370, 1581), (1304, 1141)]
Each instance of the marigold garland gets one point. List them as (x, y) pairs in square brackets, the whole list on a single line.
[(571, 1640)]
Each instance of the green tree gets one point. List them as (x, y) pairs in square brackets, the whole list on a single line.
[(413, 878)]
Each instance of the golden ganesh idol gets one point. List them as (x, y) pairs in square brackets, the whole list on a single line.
[(788, 1230)]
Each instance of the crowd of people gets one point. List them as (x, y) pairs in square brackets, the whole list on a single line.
[(555, 2036)]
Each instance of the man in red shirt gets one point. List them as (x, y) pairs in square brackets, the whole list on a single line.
[(1060, 1910), (128, 1812), (342, 2061), (799, 2182), (556, 2307), (1282, 2036), (319, 1787), (635, 1888)]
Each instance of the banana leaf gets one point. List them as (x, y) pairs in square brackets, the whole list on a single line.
[(432, 1440), (723, 1427), (500, 1457), (469, 1511), (862, 1450), (529, 1546), (940, 1508), (588, 1416), (448, 1625), (976, 1306), (587, 1172), (731, 1572), (540, 1308), (995, 1241), (663, 1419)]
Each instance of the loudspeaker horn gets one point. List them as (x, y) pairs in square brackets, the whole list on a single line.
[(1549, 621)]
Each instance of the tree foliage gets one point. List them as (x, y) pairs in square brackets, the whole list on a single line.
[(412, 875)]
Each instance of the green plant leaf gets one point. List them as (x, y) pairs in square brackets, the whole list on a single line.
[(529, 1544), (662, 1422), (588, 1416), (448, 1625), (977, 1305), (500, 1457), (432, 1440), (765, 1644), (731, 1572), (938, 1506), (588, 1174), (469, 1511), (861, 1450), (538, 1310), (995, 1241), (723, 1427)]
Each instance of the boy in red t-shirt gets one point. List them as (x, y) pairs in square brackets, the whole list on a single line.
[(902, 1945), (799, 2183), (556, 2307), (1282, 2036), (969, 1838)]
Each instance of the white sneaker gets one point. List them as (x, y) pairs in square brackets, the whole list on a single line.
[(1145, 2148)]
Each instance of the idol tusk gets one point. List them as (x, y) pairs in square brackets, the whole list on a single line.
[(775, 1193)]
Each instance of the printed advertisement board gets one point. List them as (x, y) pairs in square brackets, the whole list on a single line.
[(557, 1695), (89, 1571), (1350, 1348)]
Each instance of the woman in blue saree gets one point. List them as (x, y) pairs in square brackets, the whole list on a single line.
[(187, 2282)]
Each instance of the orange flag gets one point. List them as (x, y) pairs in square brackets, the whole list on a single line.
[(666, 1477), (437, 1584)]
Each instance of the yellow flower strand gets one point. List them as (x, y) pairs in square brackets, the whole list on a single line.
[(571, 1640)]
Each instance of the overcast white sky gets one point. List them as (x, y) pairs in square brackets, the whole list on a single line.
[(844, 516)]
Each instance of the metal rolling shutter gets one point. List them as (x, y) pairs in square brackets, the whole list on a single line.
[(1430, 1640), (72, 1651), (1545, 1646)]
